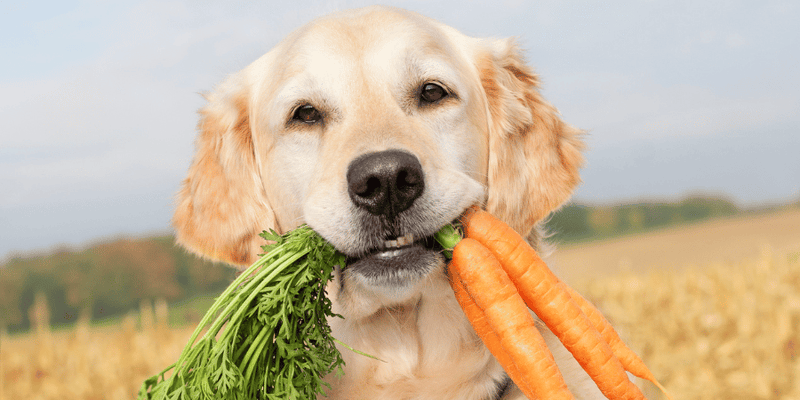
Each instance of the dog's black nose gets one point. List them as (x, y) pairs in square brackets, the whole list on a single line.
[(385, 183)]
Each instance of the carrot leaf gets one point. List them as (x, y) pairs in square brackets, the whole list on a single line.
[(276, 342)]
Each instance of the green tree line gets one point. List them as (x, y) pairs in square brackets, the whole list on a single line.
[(576, 222), (104, 280)]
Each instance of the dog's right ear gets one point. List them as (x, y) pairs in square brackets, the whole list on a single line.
[(222, 206), (534, 156)]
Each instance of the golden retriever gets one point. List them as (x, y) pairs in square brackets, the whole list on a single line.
[(376, 127)]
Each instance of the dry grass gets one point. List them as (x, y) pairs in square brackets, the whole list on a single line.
[(720, 331), (89, 363), (725, 330), (728, 239)]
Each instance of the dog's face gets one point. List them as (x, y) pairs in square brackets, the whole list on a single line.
[(376, 127), (376, 138)]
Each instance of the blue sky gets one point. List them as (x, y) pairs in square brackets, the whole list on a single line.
[(99, 99)]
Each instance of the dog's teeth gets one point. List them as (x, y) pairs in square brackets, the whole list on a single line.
[(399, 242)]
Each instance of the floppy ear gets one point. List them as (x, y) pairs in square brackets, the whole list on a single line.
[(222, 206), (534, 156)]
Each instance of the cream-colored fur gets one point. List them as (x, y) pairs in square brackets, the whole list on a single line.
[(495, 141)]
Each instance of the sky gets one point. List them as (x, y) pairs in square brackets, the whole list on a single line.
[(99, 100)]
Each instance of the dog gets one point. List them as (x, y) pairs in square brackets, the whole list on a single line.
[(376, 127)]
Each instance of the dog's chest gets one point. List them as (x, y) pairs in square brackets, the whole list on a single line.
[(428, 350)]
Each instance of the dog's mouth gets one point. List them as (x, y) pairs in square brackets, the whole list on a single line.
[(398, 261), (398, 246)]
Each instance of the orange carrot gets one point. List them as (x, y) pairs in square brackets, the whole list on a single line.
[(487, 335), (544, 293), (495, 294), (626, 356)]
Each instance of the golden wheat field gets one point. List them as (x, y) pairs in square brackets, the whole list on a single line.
[(720, 327)]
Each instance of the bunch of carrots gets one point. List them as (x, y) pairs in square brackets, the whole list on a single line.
[(497, 277)]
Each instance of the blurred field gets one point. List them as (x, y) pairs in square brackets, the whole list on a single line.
[(89, 362), (724, 330), (730, 239), (713, 308)]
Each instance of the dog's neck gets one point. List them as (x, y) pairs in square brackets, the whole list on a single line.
[(425, 342)]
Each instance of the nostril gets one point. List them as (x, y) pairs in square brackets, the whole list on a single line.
[(402, 180), (408, 181), (368, 188)]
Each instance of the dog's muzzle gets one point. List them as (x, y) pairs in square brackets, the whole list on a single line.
[(384, 185)]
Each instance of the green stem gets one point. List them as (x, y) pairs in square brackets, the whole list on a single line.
[(287, 261), (448, 237), (224, 300), (255, 348), (243, 347), (347, 346), (221, 300)]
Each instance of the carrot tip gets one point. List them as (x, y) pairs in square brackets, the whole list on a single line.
[(662, 388)]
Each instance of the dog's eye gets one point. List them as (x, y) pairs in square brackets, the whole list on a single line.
[(307, 114), (432, 93)]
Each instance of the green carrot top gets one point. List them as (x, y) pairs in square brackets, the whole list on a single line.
[(276, 344)]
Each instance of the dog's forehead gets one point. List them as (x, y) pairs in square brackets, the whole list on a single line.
[(376, 42), (359, 31)]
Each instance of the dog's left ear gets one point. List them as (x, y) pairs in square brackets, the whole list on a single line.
[(534, 156), (222, 205)]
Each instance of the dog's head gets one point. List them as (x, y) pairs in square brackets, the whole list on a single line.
[(376, 127)]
